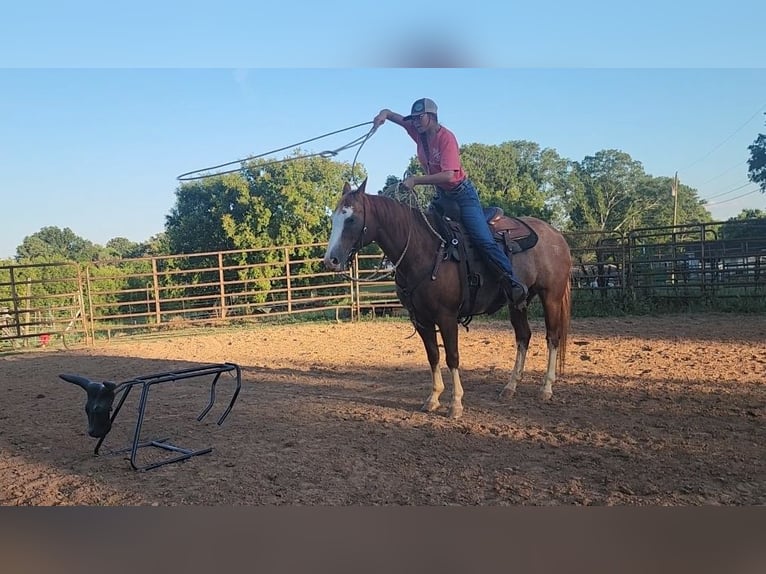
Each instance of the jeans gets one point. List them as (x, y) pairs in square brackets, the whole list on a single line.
[(472, 217)]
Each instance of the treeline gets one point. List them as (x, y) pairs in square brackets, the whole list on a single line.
[(269, 204)]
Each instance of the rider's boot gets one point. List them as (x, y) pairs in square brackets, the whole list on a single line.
[(514, 289)]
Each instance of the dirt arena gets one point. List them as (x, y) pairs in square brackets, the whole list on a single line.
[(651, 411)]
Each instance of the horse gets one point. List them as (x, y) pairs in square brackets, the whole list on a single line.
[(431, 289)]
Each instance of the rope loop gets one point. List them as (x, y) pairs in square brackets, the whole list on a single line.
[(360, 141)]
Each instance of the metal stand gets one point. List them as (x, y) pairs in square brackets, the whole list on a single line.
[(146, 383)]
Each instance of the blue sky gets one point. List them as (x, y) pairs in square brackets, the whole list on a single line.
[(100, 110)]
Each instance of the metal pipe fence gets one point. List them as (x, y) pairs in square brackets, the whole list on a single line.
[(42, 304)]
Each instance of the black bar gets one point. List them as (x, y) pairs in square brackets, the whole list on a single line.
[(146, 382)]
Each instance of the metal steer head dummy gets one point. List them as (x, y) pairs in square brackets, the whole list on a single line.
[(99, 404)]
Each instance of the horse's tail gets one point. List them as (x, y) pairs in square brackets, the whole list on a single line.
[(565, 315)]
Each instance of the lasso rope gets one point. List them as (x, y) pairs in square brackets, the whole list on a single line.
[(360, 141)]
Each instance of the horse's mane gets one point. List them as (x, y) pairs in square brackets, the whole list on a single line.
[(397, 211)]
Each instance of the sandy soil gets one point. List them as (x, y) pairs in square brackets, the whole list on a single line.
[(651, 411)]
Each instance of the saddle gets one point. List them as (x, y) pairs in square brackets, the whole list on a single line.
[(512, 233)]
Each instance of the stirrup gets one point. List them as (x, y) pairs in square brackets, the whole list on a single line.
[(515, 291), (518, 295)]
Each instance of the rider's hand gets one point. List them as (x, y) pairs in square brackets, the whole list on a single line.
[(380, 119), (409, 183)]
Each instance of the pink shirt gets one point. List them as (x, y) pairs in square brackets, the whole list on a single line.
[(444, 154)]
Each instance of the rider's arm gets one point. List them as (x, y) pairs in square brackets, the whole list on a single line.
[(441, 179), (387, 114)]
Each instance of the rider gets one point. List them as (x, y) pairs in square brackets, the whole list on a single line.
[(438, 153)]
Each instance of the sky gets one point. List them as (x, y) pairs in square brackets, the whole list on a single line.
[(102, 107)]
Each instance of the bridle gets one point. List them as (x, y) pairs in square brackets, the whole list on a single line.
[(359, 243)]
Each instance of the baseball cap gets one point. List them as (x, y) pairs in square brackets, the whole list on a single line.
[(422, 106)]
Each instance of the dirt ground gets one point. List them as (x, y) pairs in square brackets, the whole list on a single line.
[(651, 411)]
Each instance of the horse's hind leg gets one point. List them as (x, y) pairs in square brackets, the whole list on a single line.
[(428, 335), (523, 335), (553, 328)]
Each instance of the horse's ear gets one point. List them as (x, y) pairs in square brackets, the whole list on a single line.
[(361, 187), (346, 188)]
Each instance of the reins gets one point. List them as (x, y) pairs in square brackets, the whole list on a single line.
[(376, 273)]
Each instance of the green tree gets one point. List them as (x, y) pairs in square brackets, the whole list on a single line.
[(757, 162), (56, 244), (610, 191), (658, 204), (604, 196), (517, 176), (272, 204), (157, 244), (292, 200), (748, 223), (195, 222), (269, 204), (123, 247)]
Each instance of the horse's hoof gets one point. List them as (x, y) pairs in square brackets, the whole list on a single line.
[(455, 412), (546, 395), (506, 394), (429, 407)]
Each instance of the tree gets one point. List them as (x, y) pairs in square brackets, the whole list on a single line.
[(748, 223), (604, 196), (283, 203), (123, 247), (610, 191), (517, 176), (757, 162), (195, 222), (268, 204), (658, 201), (157, 244), (55, 244)]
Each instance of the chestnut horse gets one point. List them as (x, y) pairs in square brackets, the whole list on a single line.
[(430, 286)]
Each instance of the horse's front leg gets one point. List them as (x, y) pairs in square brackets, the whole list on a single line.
[(449, 338), (428, 334)]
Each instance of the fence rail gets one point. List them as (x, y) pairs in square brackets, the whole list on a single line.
[(73, 303)]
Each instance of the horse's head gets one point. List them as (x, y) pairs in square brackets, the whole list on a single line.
[(348, 228), (99, 404)]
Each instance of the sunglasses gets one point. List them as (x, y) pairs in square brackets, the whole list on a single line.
[(419, 117)]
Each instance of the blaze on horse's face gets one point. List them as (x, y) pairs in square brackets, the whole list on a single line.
[(348, 222), (99, 404)]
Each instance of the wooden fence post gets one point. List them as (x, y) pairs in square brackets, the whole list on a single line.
[(81, 304), (356, 304), (289, 281), (15, 297), (156, 290), (221, 285), (89, 297)]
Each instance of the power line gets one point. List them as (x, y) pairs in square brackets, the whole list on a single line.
[(727, 192), (733, 198), (727, 139)]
